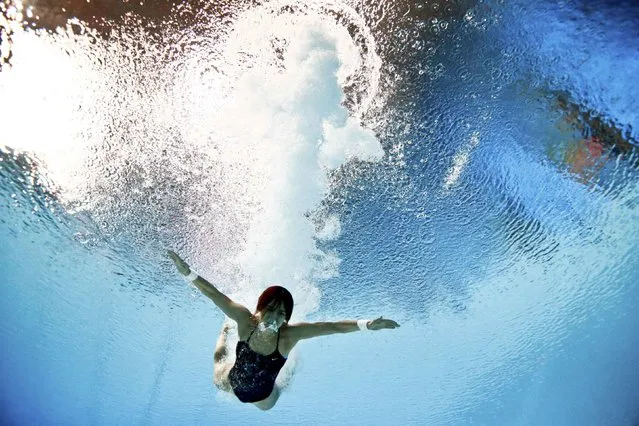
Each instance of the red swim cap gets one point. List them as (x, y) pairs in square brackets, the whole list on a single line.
[(276, 293)]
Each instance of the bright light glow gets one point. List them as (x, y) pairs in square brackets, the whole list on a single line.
[(460, 161)]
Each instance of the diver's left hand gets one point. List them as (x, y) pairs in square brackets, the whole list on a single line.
[(381, 323), (180, 264)]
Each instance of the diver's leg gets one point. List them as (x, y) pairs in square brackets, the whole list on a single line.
[(268, 403), (221, 368)]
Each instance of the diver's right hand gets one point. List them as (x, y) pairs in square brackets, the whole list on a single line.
[(181, 265)]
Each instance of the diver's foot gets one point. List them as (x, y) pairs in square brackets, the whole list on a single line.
[(220, 347), (226, 327)]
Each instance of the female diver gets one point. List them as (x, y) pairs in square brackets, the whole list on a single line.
[(265, 339)]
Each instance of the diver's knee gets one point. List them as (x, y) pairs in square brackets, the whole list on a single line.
[(269, 402), (222, 385), (264, 407), (220, 353), (219, 357), (221, 379)]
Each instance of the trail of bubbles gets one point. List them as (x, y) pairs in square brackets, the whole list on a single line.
[(221, 150)]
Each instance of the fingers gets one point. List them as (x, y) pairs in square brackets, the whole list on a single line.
[(381, 323), (174, 256), (386, 323), (177, 260)]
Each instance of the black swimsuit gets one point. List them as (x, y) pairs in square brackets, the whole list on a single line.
[(253, 375)]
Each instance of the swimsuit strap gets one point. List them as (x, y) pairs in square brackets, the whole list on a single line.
[(248, 338), (277, 345)]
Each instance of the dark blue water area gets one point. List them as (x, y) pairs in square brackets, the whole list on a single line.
[(417, 248), (500, 82), (590, 49)]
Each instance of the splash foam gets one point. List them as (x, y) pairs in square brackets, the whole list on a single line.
[(242, 128)]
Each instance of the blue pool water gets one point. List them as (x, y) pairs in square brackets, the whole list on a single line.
[(471, 173)]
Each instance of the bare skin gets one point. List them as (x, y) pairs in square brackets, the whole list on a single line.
[(265, 341)]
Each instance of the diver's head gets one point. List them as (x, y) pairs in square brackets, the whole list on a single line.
[(274, 307)]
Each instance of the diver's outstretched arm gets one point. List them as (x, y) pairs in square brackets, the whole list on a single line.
[(307, 330), (233, 310)]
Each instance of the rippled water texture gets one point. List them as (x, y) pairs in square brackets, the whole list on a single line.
[(469, 169)]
